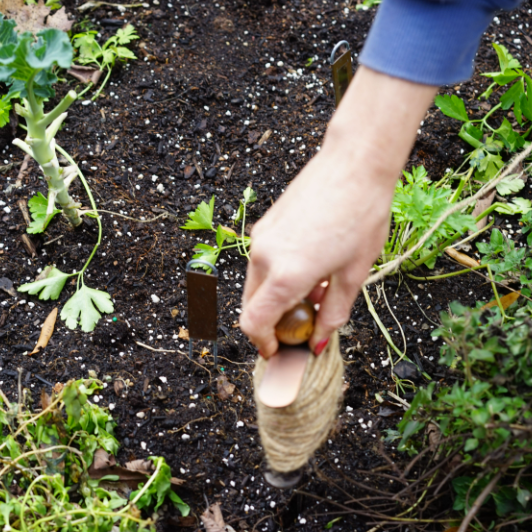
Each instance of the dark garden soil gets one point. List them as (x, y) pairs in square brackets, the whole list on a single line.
[(175, 126)]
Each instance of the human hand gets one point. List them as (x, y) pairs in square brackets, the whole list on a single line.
[(331, 222)]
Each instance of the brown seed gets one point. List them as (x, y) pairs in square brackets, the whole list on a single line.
[(296, 325)]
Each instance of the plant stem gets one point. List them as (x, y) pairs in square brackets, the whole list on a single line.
[(460, 186), (246, 252), (93, 205), (106, 79), (495, 291), (87, 88), (381, 325), (40, 140), (445, 275)]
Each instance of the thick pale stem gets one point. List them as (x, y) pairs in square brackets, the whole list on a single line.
[(40, 144)]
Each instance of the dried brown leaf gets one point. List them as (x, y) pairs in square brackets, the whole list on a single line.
[(85, 74), (213, 520), (183, 334), (34, 18), (46, 400), (462, 258), (140, 466), (118, 386), (481, 205), (506, 301), (102, 459), (46, 331), (224, 387), (265, 137)]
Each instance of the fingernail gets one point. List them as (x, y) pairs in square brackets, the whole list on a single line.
[(320, 346)]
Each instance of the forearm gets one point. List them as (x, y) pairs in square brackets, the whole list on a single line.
[(376, 124)]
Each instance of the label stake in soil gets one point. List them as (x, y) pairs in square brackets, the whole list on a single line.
[(342, 70), (202, 306)]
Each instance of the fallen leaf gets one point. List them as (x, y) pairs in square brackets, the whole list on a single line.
[(265, 137), (118, 386), (140, 465), (481, 205), (7, 286), (85, 74), (213, 520), (224, 387), (102, 459), (229, 230), (462, 258), (58, 387), (183, 334), (34, 18), (46, 331), (434, 434), (46, 400), (188, 172), (506, 301)]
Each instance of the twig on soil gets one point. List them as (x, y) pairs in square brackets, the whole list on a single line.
[(479, 500), (156, 349), (394, 265), (204, 418)]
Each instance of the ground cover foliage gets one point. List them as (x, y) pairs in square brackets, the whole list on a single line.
[(464, 433)]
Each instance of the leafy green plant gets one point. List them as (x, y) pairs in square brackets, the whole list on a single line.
[(226, 238), (90, 52), (418, 203), (45, 459), (488, 142), (508, 262), (27, 67), (52, 4), (485, 416)]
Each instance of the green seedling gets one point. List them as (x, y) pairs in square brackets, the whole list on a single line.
[(226, 238), (27, 67), (52, 4), (45, 471), (90, 52)]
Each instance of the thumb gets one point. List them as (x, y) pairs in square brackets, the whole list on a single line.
[(335, 309)]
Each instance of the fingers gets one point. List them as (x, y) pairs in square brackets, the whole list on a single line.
[(275, 295), (334, 311)]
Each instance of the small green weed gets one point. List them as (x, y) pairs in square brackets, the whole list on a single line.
[(90, 52), (226, 238)]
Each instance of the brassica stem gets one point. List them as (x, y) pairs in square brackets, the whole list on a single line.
[(40, 144)]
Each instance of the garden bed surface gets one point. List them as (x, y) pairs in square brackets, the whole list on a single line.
[(210, 80)]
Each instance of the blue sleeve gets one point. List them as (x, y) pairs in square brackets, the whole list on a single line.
[(433, 42)]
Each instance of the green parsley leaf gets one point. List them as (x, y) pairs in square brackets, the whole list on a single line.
[(452, 106), (38, 206), (201, 218), (82, 308), (126, 35), (516, 206), (50, 284), (510, 184), (5, 107)]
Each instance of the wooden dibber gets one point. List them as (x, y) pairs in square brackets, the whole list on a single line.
[(284, 371)]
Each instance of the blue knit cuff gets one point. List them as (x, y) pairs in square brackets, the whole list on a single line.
[(429, 41)]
